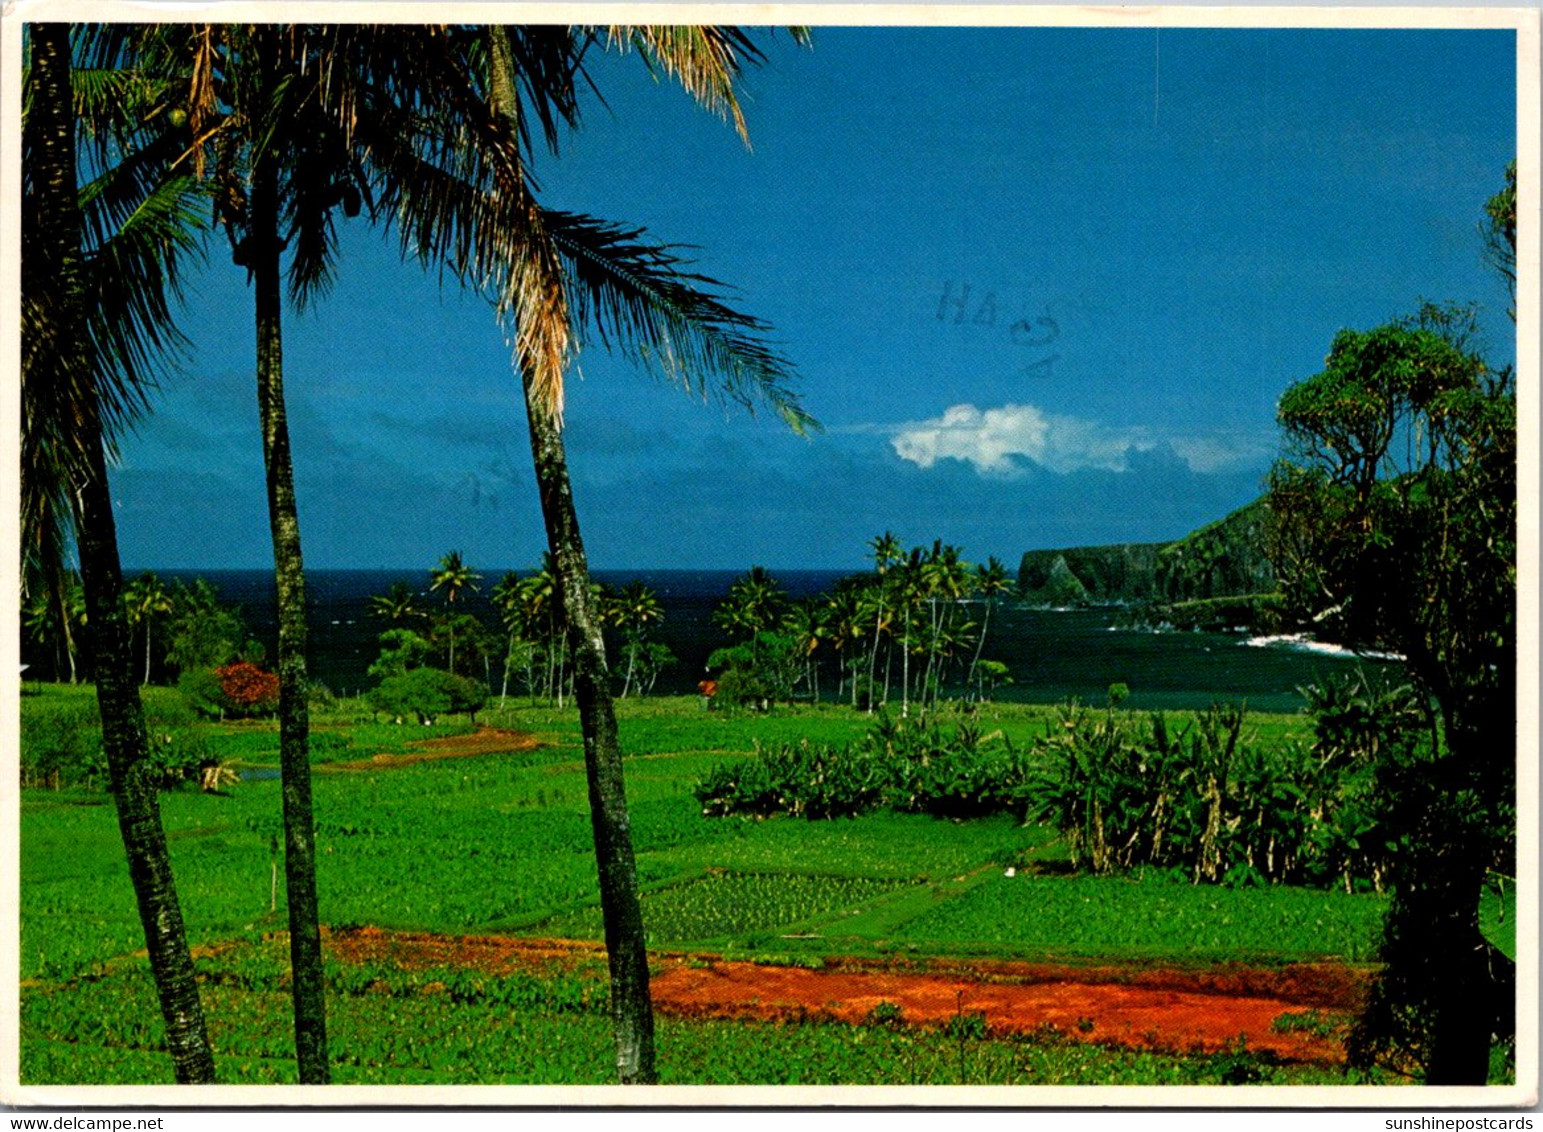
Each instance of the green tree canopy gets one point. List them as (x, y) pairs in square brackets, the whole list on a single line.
[(1394, 528)]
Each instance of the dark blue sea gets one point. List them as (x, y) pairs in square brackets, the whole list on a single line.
[(1051, 655)]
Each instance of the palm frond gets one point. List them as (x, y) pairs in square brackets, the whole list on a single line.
[(112, 104), (452, 180), (705, 60), (640, 297), (132, 279), (111, 196)]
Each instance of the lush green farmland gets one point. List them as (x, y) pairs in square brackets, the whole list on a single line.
[(500, 844)]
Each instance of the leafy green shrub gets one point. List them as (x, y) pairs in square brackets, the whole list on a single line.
[(1213, 803), (428, 693), (61, 743), (914, 767), (201, 691)]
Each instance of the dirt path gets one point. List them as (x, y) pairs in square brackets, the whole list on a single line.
[(483, 741), (1296, 1012)]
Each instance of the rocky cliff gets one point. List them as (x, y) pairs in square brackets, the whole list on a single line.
[(1222, 559)]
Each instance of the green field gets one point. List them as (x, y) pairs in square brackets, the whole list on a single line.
[(501, 844)]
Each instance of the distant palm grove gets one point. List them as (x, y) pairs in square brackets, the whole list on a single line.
[(915, 625), (1388, 528)]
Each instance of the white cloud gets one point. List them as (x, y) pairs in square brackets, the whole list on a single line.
[(991, 439)]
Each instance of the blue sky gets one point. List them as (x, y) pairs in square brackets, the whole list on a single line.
[(1043, 287)]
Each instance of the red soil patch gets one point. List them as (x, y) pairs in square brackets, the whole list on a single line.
[(483, 741), (1176, 1011), (497, 955), (1173, 1009)]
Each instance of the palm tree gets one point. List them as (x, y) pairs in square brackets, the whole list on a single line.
[(755, 603), (886, 552), (453, 577), (71, 393), (806, 621), (633, 293), (506, 600), (845, 627), (907, 589), (146, 599), (53, 615), (251, 104), (437, 121), (542, 610), (946, 580), (49, 592), (991, 581), (398, 604), (636, 608)]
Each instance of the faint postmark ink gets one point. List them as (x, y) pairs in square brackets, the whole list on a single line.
[(485, 484), (1030, 329)]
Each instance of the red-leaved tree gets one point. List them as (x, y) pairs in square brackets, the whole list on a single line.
[(248, 689)]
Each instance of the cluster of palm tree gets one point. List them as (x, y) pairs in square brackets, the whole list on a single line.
[(53, 620), (535, 644), (904, 629), (175, 629), (139, 141)]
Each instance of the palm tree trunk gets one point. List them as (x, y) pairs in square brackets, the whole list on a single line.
[(289, 577), (503, 695), (985, 623), (631, 1011), (873, 656), (123, 724), (64, 628)]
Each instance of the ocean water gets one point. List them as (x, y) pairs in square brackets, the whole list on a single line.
[(1051, 655)]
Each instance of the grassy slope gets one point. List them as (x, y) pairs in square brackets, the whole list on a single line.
[(501, 843)]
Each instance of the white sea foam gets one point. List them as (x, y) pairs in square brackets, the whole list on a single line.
[(1301, 642)]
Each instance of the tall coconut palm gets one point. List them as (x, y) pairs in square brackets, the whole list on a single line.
[(274, 154), (439, 122), (248, 108), (846, 628), (636, 293), (46, 584), (886, 552), (635, 609), (506, 600), (453, 577), (906, 587), (805, 622), (70, 394), (755, 603), (282, 120), (147, 600), (541, 612), (946, 580), (991, 581)]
